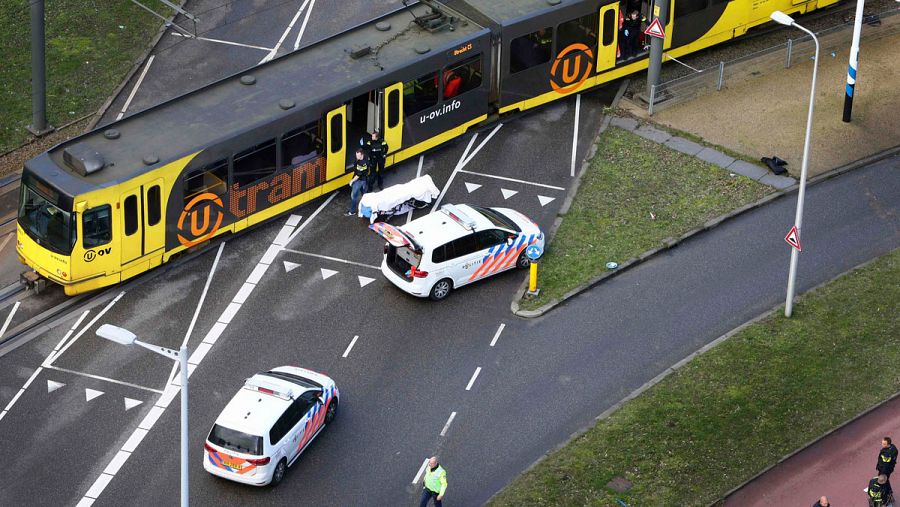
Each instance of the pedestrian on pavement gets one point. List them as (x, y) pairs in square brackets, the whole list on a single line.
[(435, 483), (887, 457), (880, 493), (823, 502), (358, 182), (378, 149)]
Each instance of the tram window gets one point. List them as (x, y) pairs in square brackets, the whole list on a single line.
[(301, 145), (462, 78), (393, 104), (609, 26), (685, 7), (530, 50), (131, 215), (255, 163), (96, 224), (153, 205), (578, 31), (211, 178), (337, 133), (420, 94)]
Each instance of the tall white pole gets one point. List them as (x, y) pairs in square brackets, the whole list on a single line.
[(798, 220), (183, 359), (853, 67)]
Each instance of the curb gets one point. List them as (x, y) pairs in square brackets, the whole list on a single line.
[(678, 365), (669, 243), (138, 62)]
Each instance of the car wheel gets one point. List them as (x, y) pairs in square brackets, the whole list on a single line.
[(331, 412), (523, 261), (441, 289), (278, 474)]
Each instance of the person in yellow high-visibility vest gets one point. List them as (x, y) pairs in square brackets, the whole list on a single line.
[(435, 483)]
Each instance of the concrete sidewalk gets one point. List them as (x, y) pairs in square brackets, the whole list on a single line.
[(839, 466)]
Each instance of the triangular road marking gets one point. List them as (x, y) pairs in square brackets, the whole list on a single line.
[(364, 280), (545, 200), (53, 386), (90, 394), (290, 266), (130, 403), (327, 273), (471, 187), (508, 193)]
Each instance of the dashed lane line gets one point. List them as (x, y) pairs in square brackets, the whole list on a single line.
[(456, 169), (326, 257), (284, 35), (504, 178), (6, 240), (303, 26), (419, 473), (220, 41), (50, 360), (472, 380), (497, 334), (575, 135), (349, 347), (418, 173), (447, 426), (9, 317), (135, 89)]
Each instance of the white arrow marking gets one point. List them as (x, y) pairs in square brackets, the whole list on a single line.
[(327, 273), (53, 386), (508, 193), (364, 280), (290, 266), (130, 403), (545, 200), (90, 394), (471, 187)]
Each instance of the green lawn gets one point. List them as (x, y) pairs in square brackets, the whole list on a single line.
[(610, 219), (738, 408), (90, 48)]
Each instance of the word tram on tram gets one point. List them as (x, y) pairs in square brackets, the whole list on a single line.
[(113, 203)]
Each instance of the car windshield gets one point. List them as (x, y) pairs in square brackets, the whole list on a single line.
[(47, 224), (497, 218), (234, 440)]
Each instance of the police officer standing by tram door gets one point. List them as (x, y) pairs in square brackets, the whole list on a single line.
[(358, 182), (435, 483), (378, 150)]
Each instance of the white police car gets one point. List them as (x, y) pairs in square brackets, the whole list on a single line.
[(455, 246), (268, 424)]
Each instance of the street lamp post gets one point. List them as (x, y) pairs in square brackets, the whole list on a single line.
[(784, 19), (126, 337)]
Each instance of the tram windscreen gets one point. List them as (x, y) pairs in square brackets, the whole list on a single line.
[(46, 223)]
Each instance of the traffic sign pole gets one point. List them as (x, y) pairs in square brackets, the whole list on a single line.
[(532, 279), (660, 11)]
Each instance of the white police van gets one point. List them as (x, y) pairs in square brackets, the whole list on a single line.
[(267, 425), (455, 246)]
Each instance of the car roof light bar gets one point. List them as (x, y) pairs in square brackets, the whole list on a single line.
[(458, 216)]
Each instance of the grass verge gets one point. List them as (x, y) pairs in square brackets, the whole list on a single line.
[(90, 46), (731, 412), (634, 194)]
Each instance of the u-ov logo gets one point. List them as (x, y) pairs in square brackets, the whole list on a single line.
[(201, 226), (571, 68)]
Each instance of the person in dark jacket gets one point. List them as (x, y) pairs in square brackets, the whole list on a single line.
[(358, 182), (880, 492), (887, 457), (631, 31), (377, 152), (823, 502)]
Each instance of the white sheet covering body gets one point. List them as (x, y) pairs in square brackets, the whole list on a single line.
[(389, 199)]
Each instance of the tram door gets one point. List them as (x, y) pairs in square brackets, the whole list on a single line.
[(609, 32), (132, 220), (336, 139), (393, 118)]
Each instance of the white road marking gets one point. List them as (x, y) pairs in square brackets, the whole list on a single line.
[(303, 26), (284, 235), (174, 388), (6, 240), (471, 187), (419, 473), (304, 224), (327, 273), (508, 193), (50, 360), (512, 179), (459, 165), (481, 145), (230, 43), (290, 266), (418, 173), (9, 317), (287, 30), (105, 379), (497, 334), (90, 394), (320, 256), (474, 376), (130, 403), (575, 135), (352, 342), (190, 329), (447, 426), (364, 280), (24, 387), (545, 200), (135, 89), (69, 333), (53, 386)]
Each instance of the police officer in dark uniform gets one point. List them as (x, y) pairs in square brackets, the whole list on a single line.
[(887, 457), (880, 493), (377, 149)]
